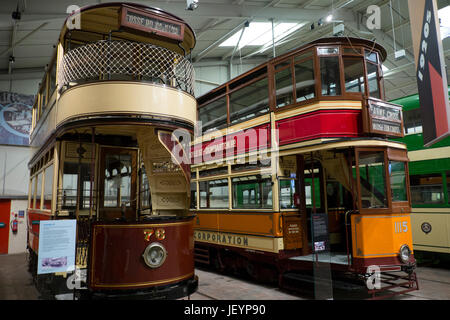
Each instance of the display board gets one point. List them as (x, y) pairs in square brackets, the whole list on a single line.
[(57, 243)]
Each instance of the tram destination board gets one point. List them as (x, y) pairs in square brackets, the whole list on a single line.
[(151, 23), (384, 118)]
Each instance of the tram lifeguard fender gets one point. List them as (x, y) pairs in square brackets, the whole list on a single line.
[(125, 98)]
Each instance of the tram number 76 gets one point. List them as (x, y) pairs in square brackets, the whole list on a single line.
[(400, 226)]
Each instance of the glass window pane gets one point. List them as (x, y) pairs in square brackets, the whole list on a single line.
[(397, 177), (52, 78), (193, 195), (371, 56), (304, 80), (283, 87), (372, 180), (214, 115), (309, 195), (329, 74), (33, 183), (145, 190), (214, 194), (38, 191), (70, 181), (427, 189), (354, 75), (412, 121), (48, 187), (287, 193), (372, 79), (117, 180), (250, 101), (252, 192), (303, 55)]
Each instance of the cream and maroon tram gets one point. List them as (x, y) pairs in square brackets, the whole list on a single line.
[(298, 140), (120, 82)]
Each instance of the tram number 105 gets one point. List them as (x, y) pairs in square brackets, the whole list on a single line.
[(400, 226)]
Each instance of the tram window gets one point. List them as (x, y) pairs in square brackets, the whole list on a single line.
[(250, 101), (33, 183), (212, 172), (117, 180), (37, 204), (397, 178), (250, 166), (213, 115), (371, 56), (330, 76), (214, 194), (288, 193), (304, 80), (252, 192), (427, 189), (412, 121), (70, 185), (70, 182), (52, 82), (193, 195), (354, 74), (43, 94), (145, 190), (372, 179), (303, 55), (48, 187), (372, 79), (284, 88), (309, 195)]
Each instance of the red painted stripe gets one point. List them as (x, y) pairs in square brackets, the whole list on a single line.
[(439, 103), (320, 124)]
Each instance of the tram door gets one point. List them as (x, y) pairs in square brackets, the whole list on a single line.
[(118, 176)]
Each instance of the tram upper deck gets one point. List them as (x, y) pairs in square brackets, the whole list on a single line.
[(117, 63), (335, 83)]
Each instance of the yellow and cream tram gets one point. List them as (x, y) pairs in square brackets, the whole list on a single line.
[(301, 135), (120, 82)]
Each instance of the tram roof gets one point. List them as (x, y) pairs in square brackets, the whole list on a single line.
[(328, 41), (102, 18)]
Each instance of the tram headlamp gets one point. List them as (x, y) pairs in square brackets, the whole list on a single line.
[(405, 253), (154, 255)]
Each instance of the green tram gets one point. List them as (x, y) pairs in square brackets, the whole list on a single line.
[(429, 170)]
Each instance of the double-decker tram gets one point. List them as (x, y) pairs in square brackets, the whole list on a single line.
[(300, 137), (429, 174), (120, 82)]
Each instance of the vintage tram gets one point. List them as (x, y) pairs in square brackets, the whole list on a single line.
[(302, 134), (120, 82)]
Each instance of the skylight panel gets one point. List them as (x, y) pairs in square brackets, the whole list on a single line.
[(260, 34)]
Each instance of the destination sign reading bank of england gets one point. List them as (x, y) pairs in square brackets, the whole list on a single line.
[(151, 23)]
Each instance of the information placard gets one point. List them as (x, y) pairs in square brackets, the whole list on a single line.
[(57, 241)]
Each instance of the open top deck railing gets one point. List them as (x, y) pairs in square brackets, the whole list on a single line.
[(125, 60)]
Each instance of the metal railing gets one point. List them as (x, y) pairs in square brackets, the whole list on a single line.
[(125, 60)]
